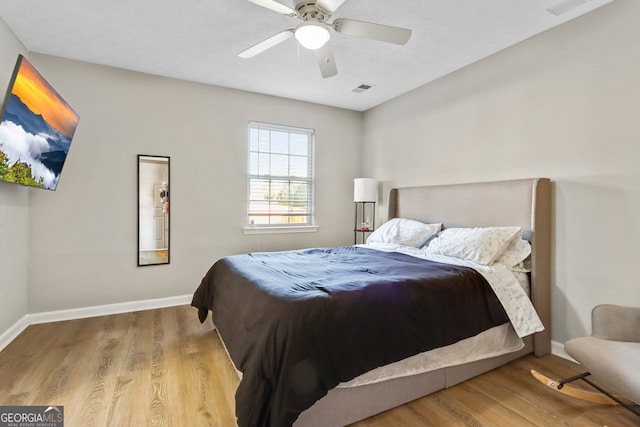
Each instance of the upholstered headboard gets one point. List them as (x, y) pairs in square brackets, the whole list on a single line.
[(524, 202)]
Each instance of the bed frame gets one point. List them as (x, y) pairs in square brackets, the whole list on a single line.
[(525, 203)]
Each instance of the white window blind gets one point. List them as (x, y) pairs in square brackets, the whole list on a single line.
[(280, 176)]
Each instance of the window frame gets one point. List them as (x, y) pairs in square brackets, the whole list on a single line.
[(250, 226)]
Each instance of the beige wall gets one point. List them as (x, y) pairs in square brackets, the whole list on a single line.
[(14, 212), (563, 105), (82, 249)]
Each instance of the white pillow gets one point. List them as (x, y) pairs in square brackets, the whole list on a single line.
[(403, 231), (479, 245), (515, 253)]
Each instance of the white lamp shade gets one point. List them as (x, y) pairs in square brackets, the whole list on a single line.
[(365, 190), (312, 35)]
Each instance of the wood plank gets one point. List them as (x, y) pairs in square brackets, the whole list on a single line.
[(128, 405), (162, 367)]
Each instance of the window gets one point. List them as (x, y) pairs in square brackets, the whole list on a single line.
[(280, 176)]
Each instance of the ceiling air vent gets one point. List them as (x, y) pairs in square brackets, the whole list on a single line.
[(565, 6), (362, 88)]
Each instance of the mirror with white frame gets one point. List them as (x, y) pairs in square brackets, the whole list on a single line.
[(153, 210)]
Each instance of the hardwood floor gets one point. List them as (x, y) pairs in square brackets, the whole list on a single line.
[(163, 368)]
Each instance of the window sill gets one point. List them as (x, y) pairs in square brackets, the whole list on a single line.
[(280, 230)]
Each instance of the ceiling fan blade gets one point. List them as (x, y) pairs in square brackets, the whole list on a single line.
[(369, 30), (326, 62), (275, 6), (329, 5), (266, 44)]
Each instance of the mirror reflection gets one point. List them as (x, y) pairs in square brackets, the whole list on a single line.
[(153, 210)]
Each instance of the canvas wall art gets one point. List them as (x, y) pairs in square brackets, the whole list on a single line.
[(36, 130)]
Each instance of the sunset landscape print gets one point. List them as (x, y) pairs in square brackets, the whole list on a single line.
[(36, 130)]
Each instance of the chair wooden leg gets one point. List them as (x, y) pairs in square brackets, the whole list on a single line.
[(602, 396), (630, 406), (569, 390)]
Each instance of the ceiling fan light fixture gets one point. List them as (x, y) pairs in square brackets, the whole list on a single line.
[(312, 35)]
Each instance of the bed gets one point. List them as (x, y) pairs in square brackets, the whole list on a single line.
[(316, 390)]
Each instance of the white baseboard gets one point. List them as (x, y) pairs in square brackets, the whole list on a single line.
[(10, 334), (82, 313), (557, 348)]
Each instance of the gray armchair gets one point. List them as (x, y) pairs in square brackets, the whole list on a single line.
[(612, 352)]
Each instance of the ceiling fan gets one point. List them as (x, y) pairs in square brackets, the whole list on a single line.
[(314, 31)]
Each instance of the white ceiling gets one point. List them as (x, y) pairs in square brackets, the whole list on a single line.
[(198, 40)]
